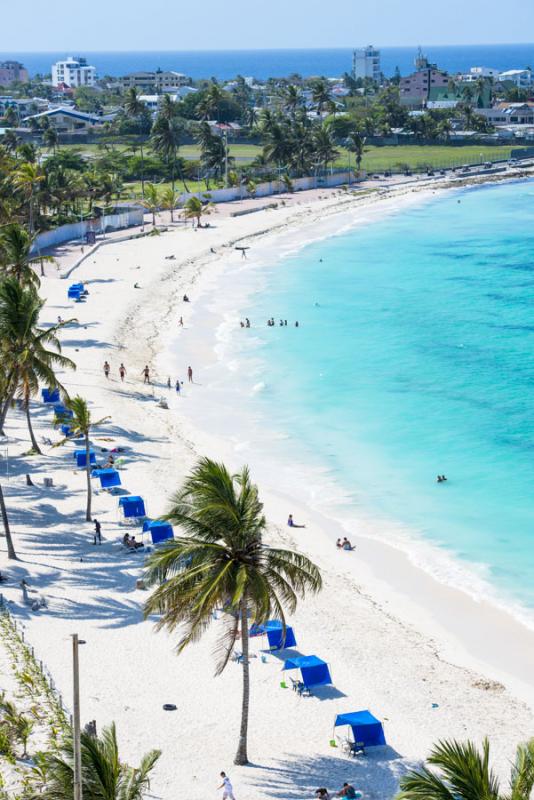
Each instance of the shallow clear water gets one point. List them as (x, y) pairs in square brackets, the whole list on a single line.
[(415, 356)]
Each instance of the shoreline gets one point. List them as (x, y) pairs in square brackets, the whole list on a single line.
[(381, 659), (463, 614)]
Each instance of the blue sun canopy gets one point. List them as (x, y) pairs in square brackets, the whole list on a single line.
[(314, 670), (366, 728)]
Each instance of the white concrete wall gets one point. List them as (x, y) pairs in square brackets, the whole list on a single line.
[(77, 230)]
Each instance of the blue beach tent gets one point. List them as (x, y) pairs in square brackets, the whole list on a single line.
[(275, 634), (132, 506), (159, 530), (366, 729), (74, 293), (61, 410), (50, 395), (314, 670), (66, 430), (108, 477), (81, 457)]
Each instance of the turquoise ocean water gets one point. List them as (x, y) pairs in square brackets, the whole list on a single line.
[(415, 356)]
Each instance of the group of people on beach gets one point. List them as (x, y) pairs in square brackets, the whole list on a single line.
[(347, 790), (282, 324), (145, 372)]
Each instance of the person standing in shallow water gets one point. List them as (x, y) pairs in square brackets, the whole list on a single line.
[(190, 374)]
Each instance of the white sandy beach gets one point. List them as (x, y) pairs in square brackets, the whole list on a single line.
[(428, 659)]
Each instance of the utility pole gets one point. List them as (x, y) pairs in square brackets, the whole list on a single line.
[(76, 718), (226, 159)]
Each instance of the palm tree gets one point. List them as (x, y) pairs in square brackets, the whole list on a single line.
[(51, 138), (166, 138), (7, 531), (321, 94), (152, 200), (26, 180), (193, 209), (466, 774), (23, 345), (81, 424), (104, 775), (16, 258), (355, 142), (134, 108), (221, 561), (168, 108), (168, 201), (324, 146), (291, 99), (210, 102)]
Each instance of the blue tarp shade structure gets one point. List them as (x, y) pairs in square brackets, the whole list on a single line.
[(108, 477), (81, 457), (159, 530), (65, 430), (50, 395), (366, 729), (275, 634), (74, 293), (314, 670), (132, 506), (62, 411), (78, 285)]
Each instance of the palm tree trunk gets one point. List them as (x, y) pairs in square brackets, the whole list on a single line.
[(142, 173), (35, 446), (7, 532), (88, 473), (5, 409), (241, 757)]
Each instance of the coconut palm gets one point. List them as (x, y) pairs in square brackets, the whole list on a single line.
[(16, 258), (210, 102), (166, 138), (51, 138), (169, 200), (26, 180), (81, 424), (134, 108), (167, 107), (152, 201), (321, 94), (104, 775), (355, 143), (324, 146), (221, 561), (7, 530), (28, 352), (465, 774), (291, 99), (193, 209)]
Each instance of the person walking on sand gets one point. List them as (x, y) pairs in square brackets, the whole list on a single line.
[(98, 532), (190, 374), (227, 788), (146, 374), (181, 322), (177, 386), (122, 371), (106, 369)]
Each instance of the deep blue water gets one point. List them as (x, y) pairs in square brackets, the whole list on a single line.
[(263, 64), (415, 356)]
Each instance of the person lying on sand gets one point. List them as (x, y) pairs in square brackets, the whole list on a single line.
[(348, 791), (292, 524)]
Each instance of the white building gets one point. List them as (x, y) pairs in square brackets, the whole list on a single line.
[(366, 63), (480, 72), (73, 72), (522, 78)]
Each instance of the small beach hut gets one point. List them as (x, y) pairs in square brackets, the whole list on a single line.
[(81, 457), (50, 395), (313, 670), (275, 634), (366, 729), (159, 530), (108, 477), (132, 506)]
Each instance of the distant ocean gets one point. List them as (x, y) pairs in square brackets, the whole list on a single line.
[(224, 64)]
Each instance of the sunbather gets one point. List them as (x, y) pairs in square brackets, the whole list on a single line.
[(347, 791)]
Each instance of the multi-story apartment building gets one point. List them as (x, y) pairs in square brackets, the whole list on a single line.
[(73, 72), (11, 71), (414, 89), (366, 63), (160, 80)]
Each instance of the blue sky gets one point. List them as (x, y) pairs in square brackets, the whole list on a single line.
[(248, 24)]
